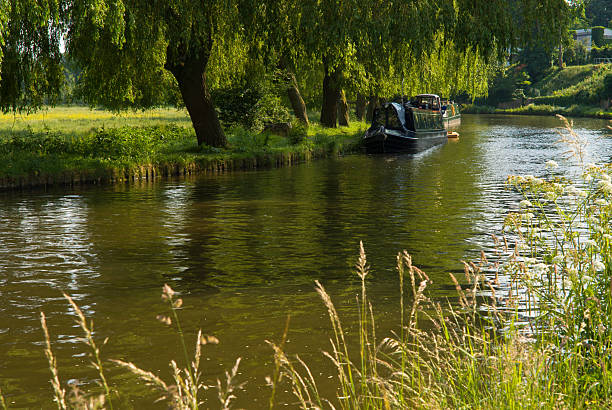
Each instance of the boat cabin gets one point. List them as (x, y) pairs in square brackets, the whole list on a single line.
[(395, 116), (427, 102)]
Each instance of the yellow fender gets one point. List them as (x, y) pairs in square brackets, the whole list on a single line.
[(453, 135)]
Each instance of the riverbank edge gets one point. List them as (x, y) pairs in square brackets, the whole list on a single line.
[(580, 111), (150, 171)]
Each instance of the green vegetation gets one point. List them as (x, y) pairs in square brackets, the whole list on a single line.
[(78, 145), (531, 326), (123, 54), (573, 91), (546, 110)]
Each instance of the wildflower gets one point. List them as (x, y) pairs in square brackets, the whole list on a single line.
[(552, 164), (605, 177), (572, 190), (540, 268), (529, 216), (529, 261), (598, 266), (601, 202), (590, 243), (567, 283), (525, 204), (588, 178), (551, 196), (605, 186), (206, 339), (164, 319), (558, 259), (167, 292)]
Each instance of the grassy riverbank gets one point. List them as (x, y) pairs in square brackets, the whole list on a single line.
[(545, 110), (68, 145), (575, 91)]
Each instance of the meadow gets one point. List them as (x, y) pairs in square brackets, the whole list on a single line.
[(65, 145)]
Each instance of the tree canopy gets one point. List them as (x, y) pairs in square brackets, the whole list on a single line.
[(137, 53)]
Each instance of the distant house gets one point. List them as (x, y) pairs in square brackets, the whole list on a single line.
[(585, 37)]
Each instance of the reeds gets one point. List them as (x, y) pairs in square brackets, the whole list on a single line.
[(2, 401), (185, 393), (59, 392)]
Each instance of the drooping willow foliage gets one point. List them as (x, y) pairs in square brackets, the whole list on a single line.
[(138, 53)]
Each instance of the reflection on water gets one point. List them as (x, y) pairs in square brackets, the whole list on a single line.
[(244, 250)]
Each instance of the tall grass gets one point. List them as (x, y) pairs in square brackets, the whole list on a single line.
[(531, 329), (187, 388)]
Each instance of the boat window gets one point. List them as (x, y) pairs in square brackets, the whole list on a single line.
[(393, 121)]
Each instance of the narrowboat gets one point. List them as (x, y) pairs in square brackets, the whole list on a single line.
[(406, 127)]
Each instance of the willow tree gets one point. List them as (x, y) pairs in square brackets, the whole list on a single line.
[(31, 62), (379, 41), (272, 30), (127, 48), (130, 53)]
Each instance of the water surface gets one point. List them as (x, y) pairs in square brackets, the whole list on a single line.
[(244, 250)]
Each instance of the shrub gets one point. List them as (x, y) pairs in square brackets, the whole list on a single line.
[(597, 36), (576, 54), (251, 105), (298, 132), (601, 52), (607, 88)]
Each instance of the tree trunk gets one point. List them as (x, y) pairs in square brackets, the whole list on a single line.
[(560, 60), (329, 110), (360, 109), (371, 107), (343, 119), (191, 80), (297, 102)]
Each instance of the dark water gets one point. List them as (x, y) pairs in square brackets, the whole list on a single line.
[(244, 250)]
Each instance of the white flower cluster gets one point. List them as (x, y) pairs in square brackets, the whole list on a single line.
[(573, 191), (590, 243), (605, 185), (551, 164)]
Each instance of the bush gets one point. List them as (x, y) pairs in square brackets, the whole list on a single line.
[(112, 143), (298, 132), (251, 105), (601, 52), (576, 54), (607, 88), (597, 36)]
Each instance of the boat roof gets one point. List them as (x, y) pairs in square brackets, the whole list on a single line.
[(428, 95)]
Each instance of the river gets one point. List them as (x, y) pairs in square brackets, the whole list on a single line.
[(244, 249)]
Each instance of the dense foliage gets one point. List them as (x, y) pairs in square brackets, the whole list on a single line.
[(599, 12), (136, 53)]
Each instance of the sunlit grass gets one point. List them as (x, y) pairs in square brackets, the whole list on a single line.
[(96, 143), (79, 120)]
